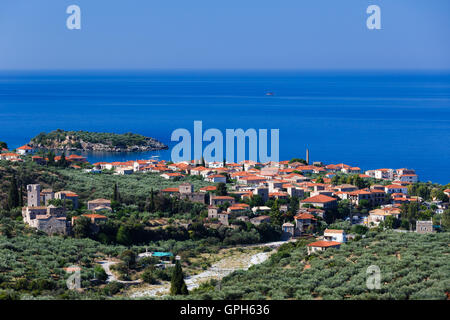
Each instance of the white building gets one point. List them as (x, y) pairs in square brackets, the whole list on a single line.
[(335, 235)]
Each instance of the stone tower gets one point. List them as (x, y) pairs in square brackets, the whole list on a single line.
[(34, 195), (186, 188), (307, 156)]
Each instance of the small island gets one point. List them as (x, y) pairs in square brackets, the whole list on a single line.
[(95, 141)]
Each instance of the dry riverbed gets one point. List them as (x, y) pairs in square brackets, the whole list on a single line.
[(222, 264)]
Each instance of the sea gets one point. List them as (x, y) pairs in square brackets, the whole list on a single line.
[(366, 119)]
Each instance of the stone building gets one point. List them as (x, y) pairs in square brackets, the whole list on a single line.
[(33, 195), (51, 219), (47, 195)]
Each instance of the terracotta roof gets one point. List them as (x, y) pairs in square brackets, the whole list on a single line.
[(25, 147), (170, 190), (333, 231), (319, 199), (304, 216), (324, 244)]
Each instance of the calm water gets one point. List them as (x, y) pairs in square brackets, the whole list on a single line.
[(366, 120)]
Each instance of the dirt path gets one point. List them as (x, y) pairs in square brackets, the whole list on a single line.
[(106, 264)]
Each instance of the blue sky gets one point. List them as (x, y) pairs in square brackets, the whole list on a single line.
[(224, 34)]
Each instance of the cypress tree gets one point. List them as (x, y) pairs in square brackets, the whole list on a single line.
[(51, 158), (177, 284), (150, 203), (116, 194), (21, 195), (13, 194)]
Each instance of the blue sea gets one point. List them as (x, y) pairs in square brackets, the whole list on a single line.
[(371, 120)]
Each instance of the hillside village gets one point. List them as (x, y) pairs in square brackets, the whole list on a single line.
[(249, 192)]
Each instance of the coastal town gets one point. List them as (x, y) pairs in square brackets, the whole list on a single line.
[(324, 206), (282, 180)]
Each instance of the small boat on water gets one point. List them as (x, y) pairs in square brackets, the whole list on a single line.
[(270, 93)]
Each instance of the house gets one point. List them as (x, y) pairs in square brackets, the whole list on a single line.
[(304, 222), (123, 170), (10, 156), (322, 246), (23, 150), (38, 160), (378, 215), (279, 195), (411, 178), (68, 195), (99, 204), (424, 227), (238, 208), (170, 191), (287, 230), (263, 192), (46, 195), (345, 188), (172, 175), (334, 235), (395, 188), (51, 219), (95, 218), (320, 201), (447, 192), (384, 174), (374, 197), (223, 218), (212, 212), (186, 188), (261, 219), (216, 178), (219, 200), (208, 189)]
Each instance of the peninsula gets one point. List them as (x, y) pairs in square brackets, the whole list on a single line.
[(95, 141)]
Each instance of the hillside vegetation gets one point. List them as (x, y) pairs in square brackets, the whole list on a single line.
[(84, 140), (413, 266)]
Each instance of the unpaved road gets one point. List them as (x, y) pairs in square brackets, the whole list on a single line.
[(106, 264)]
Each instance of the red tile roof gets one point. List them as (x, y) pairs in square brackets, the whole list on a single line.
[(319, 199), (324, 244)]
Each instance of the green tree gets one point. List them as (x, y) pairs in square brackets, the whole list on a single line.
[(13, 194), (445, 221), (150, 202), (82, 227), (177, 284), (275, 213), (51, 158), (3, 145), (123, 235), (148, 276), (221, 189), (63, 161), (116, 194), (100, 273)]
